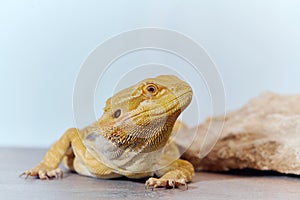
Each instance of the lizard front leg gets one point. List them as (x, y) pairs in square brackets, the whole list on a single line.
[(48, 167), (180, 172)]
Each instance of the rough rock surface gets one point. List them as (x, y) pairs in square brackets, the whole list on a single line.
[(263, 135)]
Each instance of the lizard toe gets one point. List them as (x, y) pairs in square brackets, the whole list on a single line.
[(42, 173), (152, 183), (56, 173)]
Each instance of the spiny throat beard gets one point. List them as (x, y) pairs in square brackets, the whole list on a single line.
[(152, 137)]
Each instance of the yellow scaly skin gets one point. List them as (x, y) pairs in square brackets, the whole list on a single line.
[(132, 138)]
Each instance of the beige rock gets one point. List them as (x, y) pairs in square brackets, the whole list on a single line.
[(263, 135)]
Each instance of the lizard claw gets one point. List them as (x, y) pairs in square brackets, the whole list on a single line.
[(27, 173), (24, 173), (58, 173)]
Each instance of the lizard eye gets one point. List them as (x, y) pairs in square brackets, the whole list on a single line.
[(151, 89), (117, 113)]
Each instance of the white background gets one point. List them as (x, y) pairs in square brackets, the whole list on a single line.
[(255, 44)]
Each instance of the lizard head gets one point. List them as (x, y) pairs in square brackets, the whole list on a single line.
[(142, 116)]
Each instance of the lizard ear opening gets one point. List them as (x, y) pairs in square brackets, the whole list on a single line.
[(117, 113)]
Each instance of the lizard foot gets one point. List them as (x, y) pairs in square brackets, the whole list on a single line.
[(43, 173), (167, 183)]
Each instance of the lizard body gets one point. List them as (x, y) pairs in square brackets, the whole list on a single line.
[(132, 138)]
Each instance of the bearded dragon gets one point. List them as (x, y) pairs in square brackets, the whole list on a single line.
[(132, 138)]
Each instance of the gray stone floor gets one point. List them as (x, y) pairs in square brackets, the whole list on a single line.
[(73, 186)]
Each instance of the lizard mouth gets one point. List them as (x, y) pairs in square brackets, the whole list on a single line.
[(170, 108), (179, 103)]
